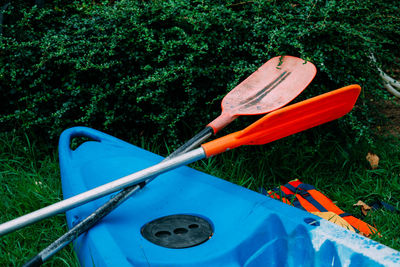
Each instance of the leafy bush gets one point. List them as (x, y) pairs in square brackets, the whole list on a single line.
[(160, 67)]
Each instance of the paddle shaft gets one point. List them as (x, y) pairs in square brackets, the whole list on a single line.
[(109, 206), (80, 199)]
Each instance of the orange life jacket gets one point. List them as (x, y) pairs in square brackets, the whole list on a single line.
[(306, 197)]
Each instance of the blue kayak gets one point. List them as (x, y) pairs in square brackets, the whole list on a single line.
[(189, 218)]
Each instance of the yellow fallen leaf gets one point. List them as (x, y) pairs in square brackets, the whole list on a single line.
[(364, 207), (373, 160)]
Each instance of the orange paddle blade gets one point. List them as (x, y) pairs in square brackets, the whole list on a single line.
[(273, 85), (289, 120)]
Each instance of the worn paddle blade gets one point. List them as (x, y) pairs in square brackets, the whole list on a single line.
[(289, 120), (272, 86)]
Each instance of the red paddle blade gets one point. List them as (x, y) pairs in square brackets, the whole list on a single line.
[(272, 86), (289, 120)]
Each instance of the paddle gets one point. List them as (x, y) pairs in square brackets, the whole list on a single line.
[(277, 124), (272, 86)]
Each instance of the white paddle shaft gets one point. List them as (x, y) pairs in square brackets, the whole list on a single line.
[(103, 190)]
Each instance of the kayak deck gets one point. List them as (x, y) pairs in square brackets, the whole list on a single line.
[(248, 229)]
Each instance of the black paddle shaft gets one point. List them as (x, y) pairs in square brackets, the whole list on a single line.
[(194, 142)]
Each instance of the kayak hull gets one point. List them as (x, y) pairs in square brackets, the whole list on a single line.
[(249, 229)]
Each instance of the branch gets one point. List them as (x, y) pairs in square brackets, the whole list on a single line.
[(389, 83)]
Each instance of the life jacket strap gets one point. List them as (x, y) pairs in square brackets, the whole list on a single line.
[(287, 198), (305, 194)]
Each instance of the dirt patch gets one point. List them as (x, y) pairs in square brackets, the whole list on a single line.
[(391, 109)]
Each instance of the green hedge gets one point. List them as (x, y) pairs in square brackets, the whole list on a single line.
[(160, 68)]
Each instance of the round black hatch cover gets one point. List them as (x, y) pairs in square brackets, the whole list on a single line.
[(177, 231)]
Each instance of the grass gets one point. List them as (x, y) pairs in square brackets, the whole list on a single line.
[(332, 162), (29, 179)]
